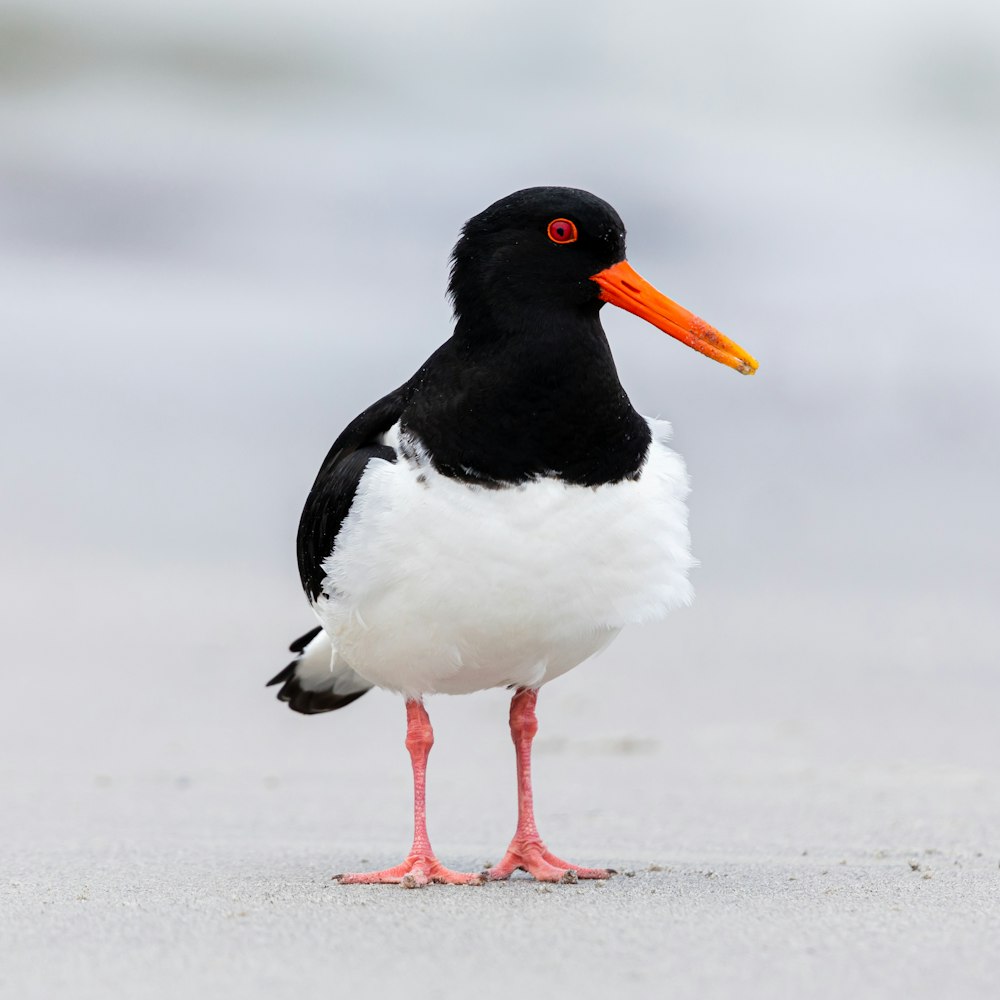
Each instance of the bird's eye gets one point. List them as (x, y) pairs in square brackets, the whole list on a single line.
[(562, 231)]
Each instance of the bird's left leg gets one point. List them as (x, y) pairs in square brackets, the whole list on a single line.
[(527, 851)]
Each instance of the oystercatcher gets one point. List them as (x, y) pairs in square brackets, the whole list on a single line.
[(501, 516)]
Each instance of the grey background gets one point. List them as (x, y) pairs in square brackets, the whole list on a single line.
[(224, 231)]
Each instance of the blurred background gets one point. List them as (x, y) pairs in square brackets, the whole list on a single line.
[(224, 231)]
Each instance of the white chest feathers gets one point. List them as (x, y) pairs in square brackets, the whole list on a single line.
[(435, 585)]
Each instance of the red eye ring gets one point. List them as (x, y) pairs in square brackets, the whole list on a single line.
[(562, 231)]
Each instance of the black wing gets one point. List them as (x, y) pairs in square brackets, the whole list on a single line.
[(333, 491)]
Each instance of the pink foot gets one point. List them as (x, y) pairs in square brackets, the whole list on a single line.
[(538, 861), (416, 871)]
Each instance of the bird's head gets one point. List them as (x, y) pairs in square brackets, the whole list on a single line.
[(548, 255)]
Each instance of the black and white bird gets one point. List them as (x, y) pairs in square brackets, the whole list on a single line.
[(501, 516)]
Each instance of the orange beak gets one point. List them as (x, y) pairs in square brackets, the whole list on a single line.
[(622, 287)]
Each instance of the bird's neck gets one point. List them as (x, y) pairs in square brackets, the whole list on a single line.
[(539, 401)]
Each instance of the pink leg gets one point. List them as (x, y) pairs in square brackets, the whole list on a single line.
[(421, 866), (527, 850)]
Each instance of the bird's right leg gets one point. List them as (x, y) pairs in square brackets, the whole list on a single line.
[(421, 866)]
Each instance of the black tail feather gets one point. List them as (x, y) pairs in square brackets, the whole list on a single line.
[(296, 696), (314, 702), (283, 676), (309, 702), (300, 644)]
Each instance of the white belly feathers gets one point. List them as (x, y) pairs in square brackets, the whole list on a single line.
[(436, 585)]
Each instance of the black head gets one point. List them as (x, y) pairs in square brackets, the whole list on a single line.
[(533, 254), (548, 258)]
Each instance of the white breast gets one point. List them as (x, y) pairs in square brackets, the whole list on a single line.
[(440, 586)]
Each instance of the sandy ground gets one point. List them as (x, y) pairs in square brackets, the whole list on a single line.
[(135, 925)]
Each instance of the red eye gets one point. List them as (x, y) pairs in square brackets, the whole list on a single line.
[(562, 231)]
